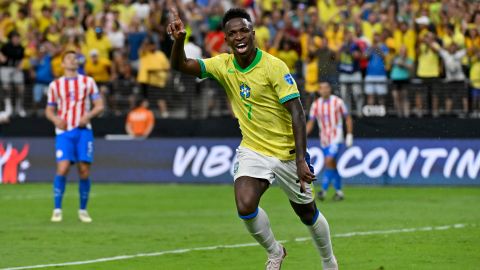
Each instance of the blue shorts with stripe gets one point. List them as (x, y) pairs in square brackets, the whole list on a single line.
[(75, 145)]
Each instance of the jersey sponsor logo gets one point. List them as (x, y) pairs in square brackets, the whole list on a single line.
[(230, 70), (244, 90), (289, 79)]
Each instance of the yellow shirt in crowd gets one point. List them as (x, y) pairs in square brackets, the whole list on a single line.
[(153, 69), (99, 71), (428, 63)]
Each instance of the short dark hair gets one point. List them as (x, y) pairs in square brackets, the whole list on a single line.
[(67, 53), (235, 13)]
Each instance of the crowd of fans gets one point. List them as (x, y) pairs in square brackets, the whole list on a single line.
[(388, 52)]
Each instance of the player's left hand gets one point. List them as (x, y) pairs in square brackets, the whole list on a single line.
[(304, 175), (349, 140), (84, 121)]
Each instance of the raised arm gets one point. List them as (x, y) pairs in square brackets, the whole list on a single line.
[(178, 60), (295, 108)]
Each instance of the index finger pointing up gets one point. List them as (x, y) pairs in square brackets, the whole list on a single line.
[(174, 13)]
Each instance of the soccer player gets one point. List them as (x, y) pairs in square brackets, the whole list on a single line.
[(69, 101), (265, 99), (329, 111)]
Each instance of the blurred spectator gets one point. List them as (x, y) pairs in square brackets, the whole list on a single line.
[(350, 76), (153, 75), (101, 70), (22, 24), (142, 9), (288, 55), (215, 42), (72, 28), (475, 84), (428, 70), (327, 65), (11, 73), (43, 74), (116, 37), (140, 121), (262, 34), (95, 39), (45, 19), (376, 76), (123, 78), (455, 78), (402, 69), (135, 39)]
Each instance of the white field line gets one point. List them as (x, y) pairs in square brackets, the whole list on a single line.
[(185, 250)]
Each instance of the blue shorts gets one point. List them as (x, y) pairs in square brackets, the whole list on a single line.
[(75, 145), (331, 150)]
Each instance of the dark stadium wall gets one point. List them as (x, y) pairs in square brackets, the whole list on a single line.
[(211, 160), (228, 127)]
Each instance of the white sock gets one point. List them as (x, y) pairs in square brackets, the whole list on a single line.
[(259, 228), (321, 238)]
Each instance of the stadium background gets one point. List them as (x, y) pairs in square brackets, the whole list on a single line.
[(195, 135)]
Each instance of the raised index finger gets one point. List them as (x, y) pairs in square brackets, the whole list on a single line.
[(174, 13)]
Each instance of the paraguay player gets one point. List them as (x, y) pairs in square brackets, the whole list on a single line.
[(329, 111), (265, 100), (68, 108)]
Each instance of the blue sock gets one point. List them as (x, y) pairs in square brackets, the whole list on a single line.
[(327, 178), (84, 190), (58, 190), (337, 180)]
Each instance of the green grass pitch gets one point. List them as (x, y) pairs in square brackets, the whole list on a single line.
[(130, 219)]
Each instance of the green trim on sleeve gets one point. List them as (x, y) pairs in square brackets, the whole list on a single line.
[(255, 61), (203, 69), (289, 97)]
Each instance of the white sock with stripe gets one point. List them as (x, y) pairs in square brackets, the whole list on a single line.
[(259, 228), (321, 238)]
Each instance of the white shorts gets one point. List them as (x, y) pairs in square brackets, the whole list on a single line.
[(9, 75), (252, 164), (376, 85)]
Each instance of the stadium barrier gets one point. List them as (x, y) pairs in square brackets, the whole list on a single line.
[(209, 160)]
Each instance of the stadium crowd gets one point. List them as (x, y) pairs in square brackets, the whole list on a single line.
[(389, 53)]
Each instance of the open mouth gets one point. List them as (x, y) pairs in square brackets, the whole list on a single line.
[(241, 47)]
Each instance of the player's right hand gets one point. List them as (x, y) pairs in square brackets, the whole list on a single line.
[(60, 123), (175, 28), (304, 175)]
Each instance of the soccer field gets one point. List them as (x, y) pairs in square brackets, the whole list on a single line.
[(196, 227)]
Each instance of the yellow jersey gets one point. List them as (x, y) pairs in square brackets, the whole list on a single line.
[(257, 94), (475, 74)]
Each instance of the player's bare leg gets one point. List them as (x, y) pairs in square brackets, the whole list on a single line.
[(59, 188), (320, 231), (248, 192), (84, 191)]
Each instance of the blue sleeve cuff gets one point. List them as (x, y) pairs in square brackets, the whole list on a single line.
[(95, 96), (53, 104)]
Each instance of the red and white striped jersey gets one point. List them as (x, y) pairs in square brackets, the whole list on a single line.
[(329, 114), (72, 97)]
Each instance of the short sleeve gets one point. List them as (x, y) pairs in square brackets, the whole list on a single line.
[(343, 108), (212, 67), (51, 95), (93, 89), (283, 82)]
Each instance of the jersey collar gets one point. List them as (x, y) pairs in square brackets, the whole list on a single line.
[(255, 61)]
